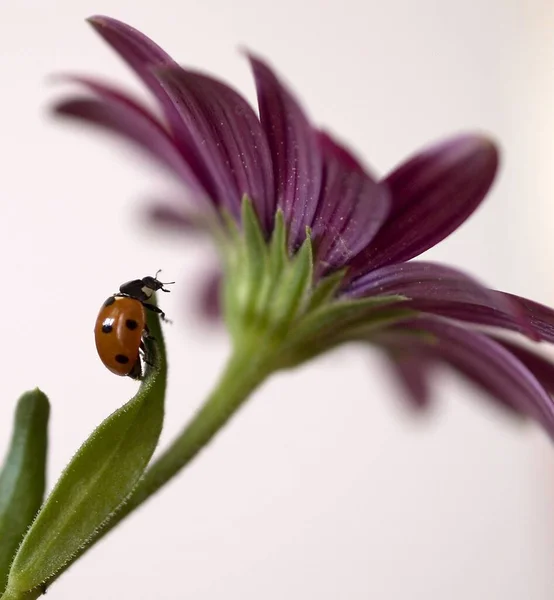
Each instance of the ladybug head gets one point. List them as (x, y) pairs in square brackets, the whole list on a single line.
[(143, 289), (154, 284)]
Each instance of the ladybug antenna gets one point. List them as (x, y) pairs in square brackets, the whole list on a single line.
[(163, 283)]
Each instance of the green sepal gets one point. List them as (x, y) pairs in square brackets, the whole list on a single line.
[(229, 232), (290, 295), (245, 256), (342, 314), (265, 289), (299, 350), (271, 298), (421, 335), (254, 263), (325, 290), (255, 245), (99, 478), (278, 254), (277, 262), (340, 322), (23, 478)]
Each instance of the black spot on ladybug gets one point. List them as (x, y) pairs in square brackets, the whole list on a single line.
[(109, 301), (131, 324), (107, 328), (121, 359)]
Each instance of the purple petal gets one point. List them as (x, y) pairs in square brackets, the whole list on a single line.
[(432, 195), (294, 150), (176, 219), (541, 368), (144, 56), (491, 366), (140, 53), (331, 147), (119, 113), (209, 301), (540, 316), (444, 291), (425, 349), (352, 208), (229, 138), (412, 372), (539, 319)]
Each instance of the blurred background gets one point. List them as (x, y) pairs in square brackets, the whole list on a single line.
[(325, 486)]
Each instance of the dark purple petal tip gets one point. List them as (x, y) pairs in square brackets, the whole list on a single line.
[(432, 194), (413, 372), (138, 50)]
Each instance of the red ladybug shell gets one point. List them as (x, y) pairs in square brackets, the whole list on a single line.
[(118, 333)]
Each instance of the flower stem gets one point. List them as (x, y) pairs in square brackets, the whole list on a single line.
[(244, 372)]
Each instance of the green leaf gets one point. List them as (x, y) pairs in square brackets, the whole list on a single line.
[(99, 478), (22, 479)]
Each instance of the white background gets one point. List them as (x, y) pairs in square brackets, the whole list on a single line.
[(324, 486)]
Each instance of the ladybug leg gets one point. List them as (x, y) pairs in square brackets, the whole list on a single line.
[(146, 334), (157, 310), (144, 353), (136, 371)]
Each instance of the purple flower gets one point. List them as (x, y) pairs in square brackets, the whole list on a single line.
[(362, 231)]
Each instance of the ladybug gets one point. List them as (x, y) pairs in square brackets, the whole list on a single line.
[(121, 327)]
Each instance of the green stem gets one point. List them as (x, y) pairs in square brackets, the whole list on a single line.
[(246, 369)]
